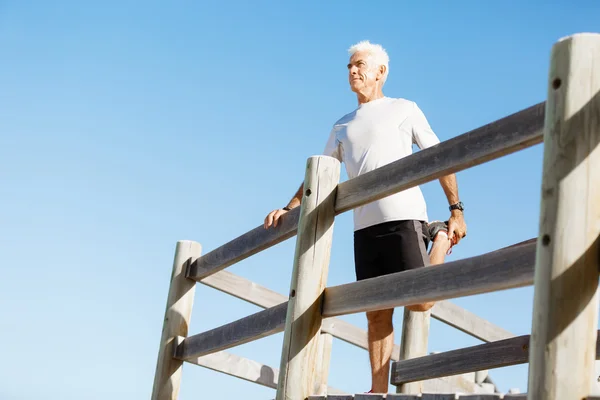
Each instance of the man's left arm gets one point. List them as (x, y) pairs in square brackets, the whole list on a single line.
[(457, 228)]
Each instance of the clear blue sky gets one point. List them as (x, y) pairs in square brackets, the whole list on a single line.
[(126, 126)]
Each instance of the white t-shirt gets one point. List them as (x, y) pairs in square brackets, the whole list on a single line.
[(375, 134)]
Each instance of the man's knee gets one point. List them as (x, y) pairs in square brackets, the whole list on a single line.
[(421, 307), (380, 317)]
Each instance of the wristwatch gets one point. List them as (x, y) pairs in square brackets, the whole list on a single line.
[(457, 206), (286, 208)]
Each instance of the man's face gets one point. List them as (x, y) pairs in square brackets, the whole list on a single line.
[(363, 74)]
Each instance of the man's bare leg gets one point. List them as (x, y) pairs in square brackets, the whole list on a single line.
[(439, 249), (437, 255), (381, 343)]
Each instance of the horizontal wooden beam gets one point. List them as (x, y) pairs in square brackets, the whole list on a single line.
[(508, 268), (498, 354), (468, 322), (261, 324), (502, 353), (456, 384), (443, 311), (239, 367), (244, 246), (426, 396), (504, 136), (244, 289), (507, 135), (243, 368), (256, 294)]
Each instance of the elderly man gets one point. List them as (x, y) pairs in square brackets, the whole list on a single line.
[(392, 234)]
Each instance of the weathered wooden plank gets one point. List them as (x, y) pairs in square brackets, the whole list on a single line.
[(256, 294), (498, 354), (178, 313), (297, 372), (490, 355), (443, 311), (468, 322), (247, 329), (369, 396), (504, 136), (498, 270), (244, 289), (438, 396), (243, 368), (239, 367), (415, 336), (425, 396), (565, 314), (244, 246), (453, 384), (323, 361)]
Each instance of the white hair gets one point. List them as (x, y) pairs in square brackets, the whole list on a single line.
[(377, 52)]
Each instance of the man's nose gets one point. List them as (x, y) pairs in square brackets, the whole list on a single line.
[(353, 70)]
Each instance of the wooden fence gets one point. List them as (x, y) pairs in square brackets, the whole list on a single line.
[(562, 264)]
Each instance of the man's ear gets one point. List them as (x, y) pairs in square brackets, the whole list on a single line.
[(381, 72)]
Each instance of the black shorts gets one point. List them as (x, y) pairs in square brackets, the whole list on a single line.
[(390, 247)]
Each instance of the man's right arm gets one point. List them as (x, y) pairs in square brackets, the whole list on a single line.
[(332, 149), (274, 215)]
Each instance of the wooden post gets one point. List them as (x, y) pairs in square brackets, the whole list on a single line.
[(565, 313), (299, 358), (167, 378), (323, 361), (415, 335)]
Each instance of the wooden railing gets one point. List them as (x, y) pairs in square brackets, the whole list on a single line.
[(562, 263)]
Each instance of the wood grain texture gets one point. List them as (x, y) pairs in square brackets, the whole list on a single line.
[(247, 329), (413, 344), (256, 294), (469, 359), (502, 269), (507, 135), (455, 383), (178, 312), (427, 396), (443, 311), (244, 246), (468, 322), (239, 367), (369, 396), (323, 363), (297, 371), (565, 315), (244, 289), (243, 368), (498, 354)]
